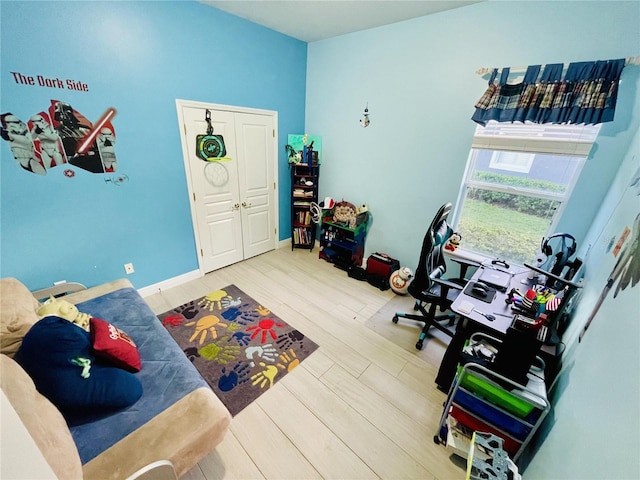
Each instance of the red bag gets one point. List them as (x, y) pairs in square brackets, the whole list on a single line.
[(382, 265)]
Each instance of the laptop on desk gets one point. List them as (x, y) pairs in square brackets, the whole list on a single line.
[(495, 278)]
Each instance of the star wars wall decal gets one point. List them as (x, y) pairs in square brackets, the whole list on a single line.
[(61, 136), (42, 81)]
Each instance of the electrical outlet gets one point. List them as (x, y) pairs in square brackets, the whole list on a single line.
[(128, 268)]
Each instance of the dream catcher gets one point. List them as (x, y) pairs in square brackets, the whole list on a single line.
[(216, 174), (211, 149)]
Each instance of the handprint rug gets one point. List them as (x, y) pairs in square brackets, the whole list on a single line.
[(238, 345)]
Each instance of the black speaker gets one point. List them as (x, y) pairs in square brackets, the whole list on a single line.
[(516, 354)]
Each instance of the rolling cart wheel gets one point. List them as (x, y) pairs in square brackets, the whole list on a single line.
[(395, 319), (419, 345)]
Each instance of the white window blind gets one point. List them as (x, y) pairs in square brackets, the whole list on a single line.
[(574, 140)]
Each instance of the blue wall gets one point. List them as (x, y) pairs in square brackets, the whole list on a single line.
[(595, 421), (418, 78), (138, 57)]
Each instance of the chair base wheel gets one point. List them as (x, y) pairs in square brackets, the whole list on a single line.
[(419, 345), (395, 319)]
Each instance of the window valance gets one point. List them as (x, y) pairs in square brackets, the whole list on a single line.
[(585, 93)]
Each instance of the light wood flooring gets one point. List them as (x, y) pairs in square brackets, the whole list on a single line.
[(360, 406)]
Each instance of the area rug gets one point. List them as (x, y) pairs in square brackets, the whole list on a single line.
[(239, 346), (405, 333)]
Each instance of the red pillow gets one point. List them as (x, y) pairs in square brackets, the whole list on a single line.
[(114, 345)]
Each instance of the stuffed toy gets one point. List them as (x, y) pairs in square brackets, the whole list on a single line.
[(345, 213), (454, 242), (66, 310)]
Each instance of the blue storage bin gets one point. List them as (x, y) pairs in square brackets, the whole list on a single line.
[(493, 415)]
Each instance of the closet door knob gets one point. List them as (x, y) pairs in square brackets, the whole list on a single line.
[(236, 206), (245, 204)]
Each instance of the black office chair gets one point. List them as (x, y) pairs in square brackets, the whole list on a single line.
[(428, 287)]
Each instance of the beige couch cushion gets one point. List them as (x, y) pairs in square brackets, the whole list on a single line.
[(183, 434), (43, 421), (17, 314)]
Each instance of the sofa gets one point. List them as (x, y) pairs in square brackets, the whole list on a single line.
[(177, 417)]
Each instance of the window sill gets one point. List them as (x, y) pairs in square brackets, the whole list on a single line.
[(462, 254)]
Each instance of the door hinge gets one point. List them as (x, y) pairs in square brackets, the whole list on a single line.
[(201, 253), (184, 126), (273, 133), (194, 196), (274, 185)]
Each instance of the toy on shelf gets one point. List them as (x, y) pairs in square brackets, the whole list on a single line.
[(454, 242), (344, 213), (304, 149)]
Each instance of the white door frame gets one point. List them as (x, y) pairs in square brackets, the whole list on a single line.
[(185, 157)]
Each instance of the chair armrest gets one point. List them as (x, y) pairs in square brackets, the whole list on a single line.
[(465, 261), (464, 265), (447, 283)]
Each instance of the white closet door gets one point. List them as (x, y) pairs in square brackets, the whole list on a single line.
[(215, 194), (232, 201), (254, 140)]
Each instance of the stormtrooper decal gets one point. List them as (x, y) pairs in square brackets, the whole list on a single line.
[(61, 136)]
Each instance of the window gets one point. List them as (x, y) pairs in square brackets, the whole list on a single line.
[(517, 182), (512, 161)]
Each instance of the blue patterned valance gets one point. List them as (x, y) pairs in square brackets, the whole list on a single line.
[(586, 95)]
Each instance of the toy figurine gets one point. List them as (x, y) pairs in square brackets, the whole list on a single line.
[(400, 280), (454, 242), (66, 310)]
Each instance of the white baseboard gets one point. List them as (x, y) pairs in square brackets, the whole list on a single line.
[(284, 243), (172, 282), (187, 277)]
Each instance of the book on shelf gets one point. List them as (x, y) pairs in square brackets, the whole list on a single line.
[(302, 236), (303, 217)]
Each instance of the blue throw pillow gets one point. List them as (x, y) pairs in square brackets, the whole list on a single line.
[(57, 356)]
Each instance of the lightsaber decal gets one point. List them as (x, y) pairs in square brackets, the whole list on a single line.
[(91, 136)]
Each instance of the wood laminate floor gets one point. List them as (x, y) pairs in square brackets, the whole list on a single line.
[(360, 407)]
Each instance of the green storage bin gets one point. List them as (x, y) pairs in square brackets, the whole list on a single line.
[(496, 395)]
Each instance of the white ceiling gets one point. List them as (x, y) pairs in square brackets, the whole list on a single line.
[(312, 20)]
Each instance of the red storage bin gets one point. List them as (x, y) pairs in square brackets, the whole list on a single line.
[(510, 445)]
